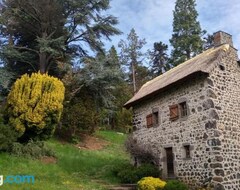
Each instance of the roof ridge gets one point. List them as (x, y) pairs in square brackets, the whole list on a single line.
[(185, 62), (199, 63)]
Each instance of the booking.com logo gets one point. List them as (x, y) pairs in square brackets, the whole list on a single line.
[(17, 179)]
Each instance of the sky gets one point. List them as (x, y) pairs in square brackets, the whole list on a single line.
[(152, 19)]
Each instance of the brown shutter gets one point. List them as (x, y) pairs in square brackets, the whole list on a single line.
[(174, 114), (149, 120)]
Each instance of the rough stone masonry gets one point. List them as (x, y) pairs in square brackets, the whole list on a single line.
[(200, 144)]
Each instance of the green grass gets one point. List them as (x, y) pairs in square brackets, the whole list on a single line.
[(75, 169)]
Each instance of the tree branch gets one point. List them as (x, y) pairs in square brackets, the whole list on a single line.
[(25, 48)]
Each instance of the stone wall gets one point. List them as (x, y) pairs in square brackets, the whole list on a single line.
[(212, 127), (190, 130), (225, 157)]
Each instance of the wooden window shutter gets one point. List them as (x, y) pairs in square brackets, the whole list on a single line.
[(174, 113), (149, 120)]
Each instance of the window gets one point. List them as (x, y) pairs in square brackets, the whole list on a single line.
[(174, 112), (155, 118), (178, 110), (149, 119), (183, 109), (187, 151)]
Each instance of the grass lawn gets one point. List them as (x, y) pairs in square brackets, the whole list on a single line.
[(76, 169)]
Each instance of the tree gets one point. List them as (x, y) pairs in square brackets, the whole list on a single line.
[(100, 76), (131, 55), (159, 59), (39, 34), (142, 75), (34, 106), (6, 78), (186, 38), (208, 41), (92, 91)]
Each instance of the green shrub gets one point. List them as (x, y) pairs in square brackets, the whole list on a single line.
[(7, 137), (80, 114), (150, 183), (142, 154), (175, 185), (31, 150), (34, 106), (131, 174)]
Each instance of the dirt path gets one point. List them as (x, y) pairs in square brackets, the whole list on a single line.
[(91, 143)]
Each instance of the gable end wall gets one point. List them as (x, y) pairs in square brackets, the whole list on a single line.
[(225, 158), (212, 128)]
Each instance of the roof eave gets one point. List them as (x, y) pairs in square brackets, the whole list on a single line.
[(130, 103)]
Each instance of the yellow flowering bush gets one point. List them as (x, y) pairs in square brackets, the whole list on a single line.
[(151, 183), (34, 105)]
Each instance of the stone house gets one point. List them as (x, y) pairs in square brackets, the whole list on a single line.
[(189, 117)]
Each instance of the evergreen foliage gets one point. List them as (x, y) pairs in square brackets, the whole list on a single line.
[(32, 149), (186, 38), (132, 56), (159, 59), (127, 173), (95, 93), (79, 115), (7, 137), (6, 78), (37, 35), (208, 41), (175, 184), (34, 106)]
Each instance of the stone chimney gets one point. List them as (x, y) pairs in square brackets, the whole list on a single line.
[(221, 37)]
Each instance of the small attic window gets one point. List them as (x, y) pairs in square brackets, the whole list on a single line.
[(221, 67)]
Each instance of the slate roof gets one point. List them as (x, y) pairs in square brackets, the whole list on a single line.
[(203, 62)]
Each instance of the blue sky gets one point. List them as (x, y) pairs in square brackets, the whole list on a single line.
[(152, 19)]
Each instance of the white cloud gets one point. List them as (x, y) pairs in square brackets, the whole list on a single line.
[(153, 19)]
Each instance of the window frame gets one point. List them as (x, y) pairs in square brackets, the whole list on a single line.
[(187, 151), (156, 119), (183, 109)]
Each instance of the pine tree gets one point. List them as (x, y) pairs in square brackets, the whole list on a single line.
[(37, 35), (159, 59), (208, 41), (132, 56), (94, 92), (186, 38)]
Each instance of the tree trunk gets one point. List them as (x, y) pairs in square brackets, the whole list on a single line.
[(42, 63), (134, 78)]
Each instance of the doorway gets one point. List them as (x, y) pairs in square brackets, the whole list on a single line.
[(170, 162)]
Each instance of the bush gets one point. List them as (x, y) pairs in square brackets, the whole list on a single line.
[(80, 115), (143, 154), (34, 106), (124, 120), (175, 185), (7, 137), (131, 174), (150, 183), (31, 150)]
